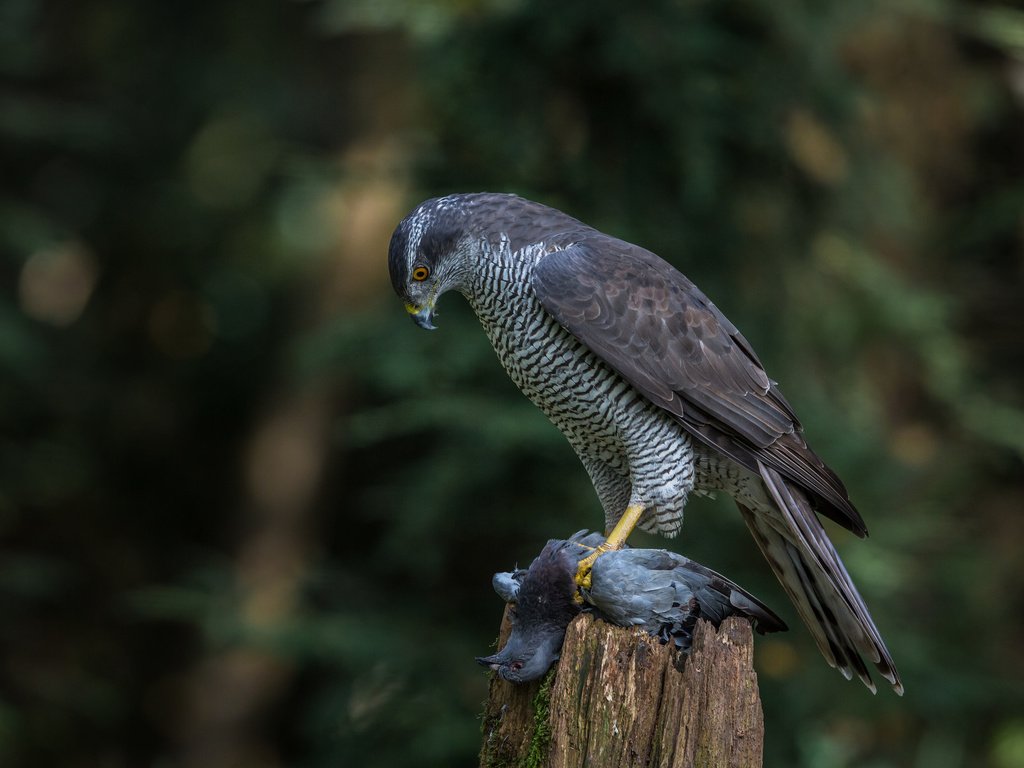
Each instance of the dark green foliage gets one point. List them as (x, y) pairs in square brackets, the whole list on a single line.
[(249, 512)]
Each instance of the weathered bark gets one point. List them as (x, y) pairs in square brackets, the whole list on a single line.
[(618, 697)]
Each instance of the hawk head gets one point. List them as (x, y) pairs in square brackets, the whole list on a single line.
[(428, 255)]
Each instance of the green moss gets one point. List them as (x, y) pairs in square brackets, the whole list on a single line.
[(541, 738)]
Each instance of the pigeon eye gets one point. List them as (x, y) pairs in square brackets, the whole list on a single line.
[(420, 273), (516, 666)]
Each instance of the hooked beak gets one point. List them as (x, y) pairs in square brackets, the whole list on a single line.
[(422, 316)]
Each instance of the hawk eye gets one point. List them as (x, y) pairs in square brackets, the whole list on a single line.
[(420, 273)]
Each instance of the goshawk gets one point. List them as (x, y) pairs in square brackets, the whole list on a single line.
[(657, 392)]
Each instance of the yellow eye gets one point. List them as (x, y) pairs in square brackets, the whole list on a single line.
[(420, 273)]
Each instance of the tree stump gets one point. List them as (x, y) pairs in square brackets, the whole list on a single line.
[(617, 697)]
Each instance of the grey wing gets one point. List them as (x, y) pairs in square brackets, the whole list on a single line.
[(507, 584), (629, 592), (656, 588), (654, 327)]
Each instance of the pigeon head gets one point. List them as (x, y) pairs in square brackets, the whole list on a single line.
[(527, 655), (544, 607)]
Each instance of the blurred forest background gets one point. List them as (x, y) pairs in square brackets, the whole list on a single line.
[(249, 512)]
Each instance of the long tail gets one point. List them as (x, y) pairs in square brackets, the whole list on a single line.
[(805, 562)]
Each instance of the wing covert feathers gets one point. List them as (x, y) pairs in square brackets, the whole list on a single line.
[(658, 331)]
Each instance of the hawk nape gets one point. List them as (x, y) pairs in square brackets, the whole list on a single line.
[(656, 391)]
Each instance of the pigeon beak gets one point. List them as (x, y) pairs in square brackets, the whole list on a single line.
[(422, 316), (491, 662)]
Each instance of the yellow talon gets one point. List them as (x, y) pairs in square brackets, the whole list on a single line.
[(616, 539), (584, 567)]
